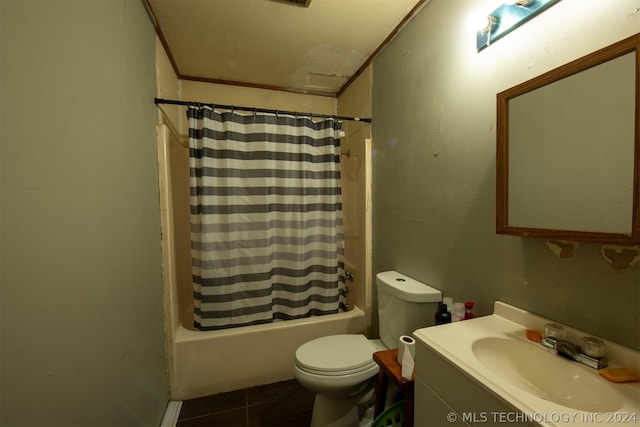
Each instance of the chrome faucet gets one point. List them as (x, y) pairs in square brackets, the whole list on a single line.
[(574, 352)]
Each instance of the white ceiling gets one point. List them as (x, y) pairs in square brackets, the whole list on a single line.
[(273, 44)]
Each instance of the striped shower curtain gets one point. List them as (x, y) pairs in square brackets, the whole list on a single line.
[(266, 218)]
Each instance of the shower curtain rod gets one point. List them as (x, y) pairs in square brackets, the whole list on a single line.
[(260, 110)]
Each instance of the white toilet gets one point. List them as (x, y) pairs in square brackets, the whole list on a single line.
[(340, 369)]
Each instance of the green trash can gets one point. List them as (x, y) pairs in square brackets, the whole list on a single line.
[(393, 416)]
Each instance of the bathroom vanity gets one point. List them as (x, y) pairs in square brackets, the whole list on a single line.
[(486, 372)]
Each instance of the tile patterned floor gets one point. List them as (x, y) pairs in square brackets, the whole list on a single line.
[(283, 404)]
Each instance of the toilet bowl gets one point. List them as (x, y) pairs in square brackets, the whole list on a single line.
[(340, 369), (341, 372)]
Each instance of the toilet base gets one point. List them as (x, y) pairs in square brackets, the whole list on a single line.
[(329, 412), (338, 411)]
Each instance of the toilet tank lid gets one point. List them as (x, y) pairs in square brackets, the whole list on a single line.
[(406, 288)]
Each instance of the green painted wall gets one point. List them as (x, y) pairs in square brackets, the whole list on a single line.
[(81, 313), (434, 165)]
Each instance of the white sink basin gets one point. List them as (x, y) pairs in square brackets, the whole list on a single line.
[(548, 376), (494, 351)]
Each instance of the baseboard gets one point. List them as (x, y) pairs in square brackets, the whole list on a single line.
[(171, 414)]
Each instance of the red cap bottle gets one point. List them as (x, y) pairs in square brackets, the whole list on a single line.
[(468, 306)]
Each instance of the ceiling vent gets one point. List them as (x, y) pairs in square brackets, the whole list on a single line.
[(301, 3)]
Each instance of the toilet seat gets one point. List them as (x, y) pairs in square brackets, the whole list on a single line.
[(336, 355)]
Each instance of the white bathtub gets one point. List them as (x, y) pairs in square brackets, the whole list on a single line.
[(210, 362)]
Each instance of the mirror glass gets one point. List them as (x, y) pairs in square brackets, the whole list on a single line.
[(568, 151)]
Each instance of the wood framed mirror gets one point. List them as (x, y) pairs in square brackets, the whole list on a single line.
[(568, 150)]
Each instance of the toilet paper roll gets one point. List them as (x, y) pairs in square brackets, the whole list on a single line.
[(406, 344), (408, 365)]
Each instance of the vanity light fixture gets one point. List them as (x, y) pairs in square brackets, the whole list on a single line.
[(507, 17)]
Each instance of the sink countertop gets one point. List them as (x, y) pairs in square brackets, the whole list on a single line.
[(454, 343)]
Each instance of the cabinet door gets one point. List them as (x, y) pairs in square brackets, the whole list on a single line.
[(431, 411), (470, 401)]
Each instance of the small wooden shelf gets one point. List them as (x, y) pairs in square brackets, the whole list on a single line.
[(390, 369)]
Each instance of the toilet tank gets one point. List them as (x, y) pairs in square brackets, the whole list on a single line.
[(404, 305)]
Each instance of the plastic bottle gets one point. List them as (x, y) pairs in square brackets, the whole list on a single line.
[(442, 315), (449, 302), (468, 306), (458, 312)]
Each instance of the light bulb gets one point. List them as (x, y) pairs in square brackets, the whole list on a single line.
[(489, 23), (521, 3)]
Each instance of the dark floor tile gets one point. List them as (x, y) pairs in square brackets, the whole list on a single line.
[(232, 418), (284, 404), (280, 414), (284, 390), (213, 404)]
